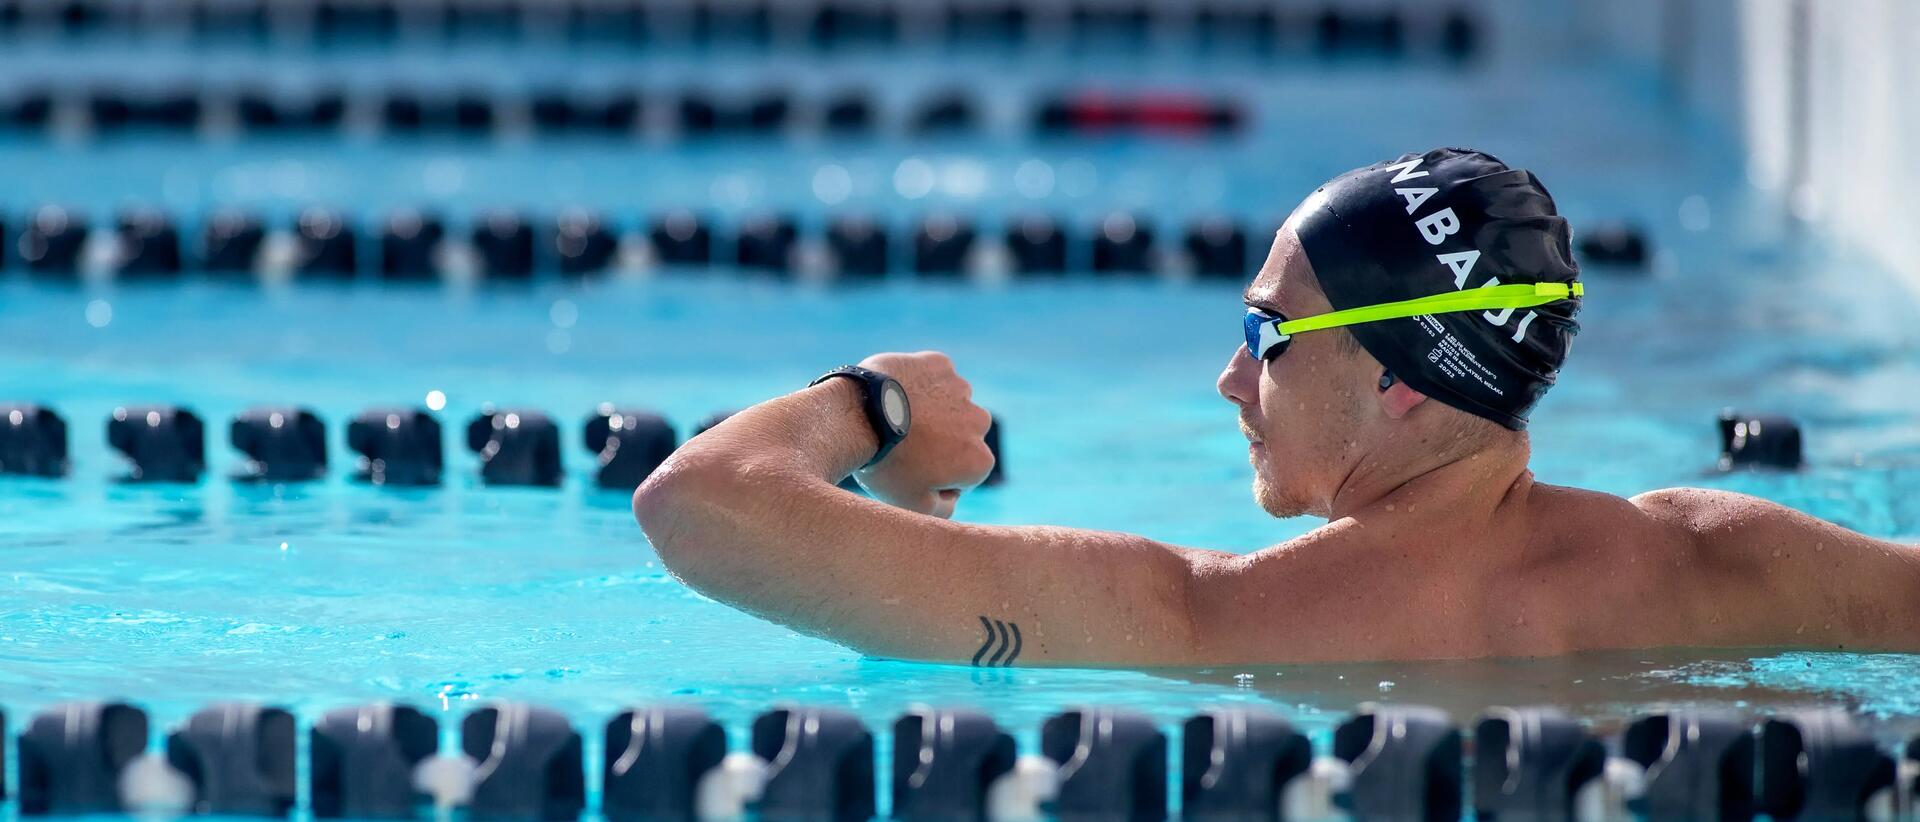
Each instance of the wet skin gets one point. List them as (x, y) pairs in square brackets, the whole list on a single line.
[(1439, 543)]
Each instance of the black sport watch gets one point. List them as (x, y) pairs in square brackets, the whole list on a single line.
[(885, 402)]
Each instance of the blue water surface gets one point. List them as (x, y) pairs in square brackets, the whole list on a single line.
[(329, 593)]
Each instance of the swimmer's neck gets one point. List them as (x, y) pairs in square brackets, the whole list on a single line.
[(1470, 488)]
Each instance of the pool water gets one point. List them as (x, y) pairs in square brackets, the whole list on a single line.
[(329, 593), (332, 591)]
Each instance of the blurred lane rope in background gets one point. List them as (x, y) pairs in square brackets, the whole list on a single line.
[(335, 336)]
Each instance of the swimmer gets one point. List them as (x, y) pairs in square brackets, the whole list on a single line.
[(1407, 319)]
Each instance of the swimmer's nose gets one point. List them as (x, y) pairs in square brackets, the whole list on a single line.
[(1239, 381)]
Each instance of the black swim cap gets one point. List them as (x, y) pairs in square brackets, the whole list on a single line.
[(1435, 223)]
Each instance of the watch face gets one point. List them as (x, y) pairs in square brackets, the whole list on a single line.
[(893, 401)]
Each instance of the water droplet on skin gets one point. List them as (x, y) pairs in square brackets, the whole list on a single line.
[(1819, 546), (1776, 553), (1389, 506)]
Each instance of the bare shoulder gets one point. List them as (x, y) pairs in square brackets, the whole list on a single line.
[(1712, 514), (1702, 509), (1790, 578), (1732, 522)]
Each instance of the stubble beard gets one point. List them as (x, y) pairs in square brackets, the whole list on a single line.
[(1274, 502)]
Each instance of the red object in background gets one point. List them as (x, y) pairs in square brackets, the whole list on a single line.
[(1166, 112)]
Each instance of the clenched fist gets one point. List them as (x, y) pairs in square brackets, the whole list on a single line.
[(945, 451)]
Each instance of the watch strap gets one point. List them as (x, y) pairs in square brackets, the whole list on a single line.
[(871, 401)]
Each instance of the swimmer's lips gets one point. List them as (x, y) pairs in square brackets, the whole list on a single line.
[(1258, 457)]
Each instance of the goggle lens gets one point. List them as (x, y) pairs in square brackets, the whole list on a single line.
[(1264, 340)]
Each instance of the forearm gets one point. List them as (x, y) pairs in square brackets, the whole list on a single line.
[(896, 584), (817, 431), (747, 514)]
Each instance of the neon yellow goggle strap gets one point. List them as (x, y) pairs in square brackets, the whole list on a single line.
[(1487, 298)]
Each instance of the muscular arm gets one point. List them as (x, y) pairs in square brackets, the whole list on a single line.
[(1786, 578), (748, 514)]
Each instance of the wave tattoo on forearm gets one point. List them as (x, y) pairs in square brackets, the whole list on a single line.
[(1001, 647)]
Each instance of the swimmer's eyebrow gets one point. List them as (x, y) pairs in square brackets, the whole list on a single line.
[(1268, 306)]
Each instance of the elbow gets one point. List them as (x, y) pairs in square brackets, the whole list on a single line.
[(653, 500), (664, 506), (696, 509)]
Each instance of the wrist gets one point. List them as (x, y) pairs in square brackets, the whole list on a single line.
[(883, 401), (851, 441)]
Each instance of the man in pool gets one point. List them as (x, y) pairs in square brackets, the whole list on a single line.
[(1408, 317)]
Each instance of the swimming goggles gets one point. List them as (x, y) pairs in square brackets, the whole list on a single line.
[(1268, 333)]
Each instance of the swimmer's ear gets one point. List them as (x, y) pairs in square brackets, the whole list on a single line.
[(1396, 399)]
